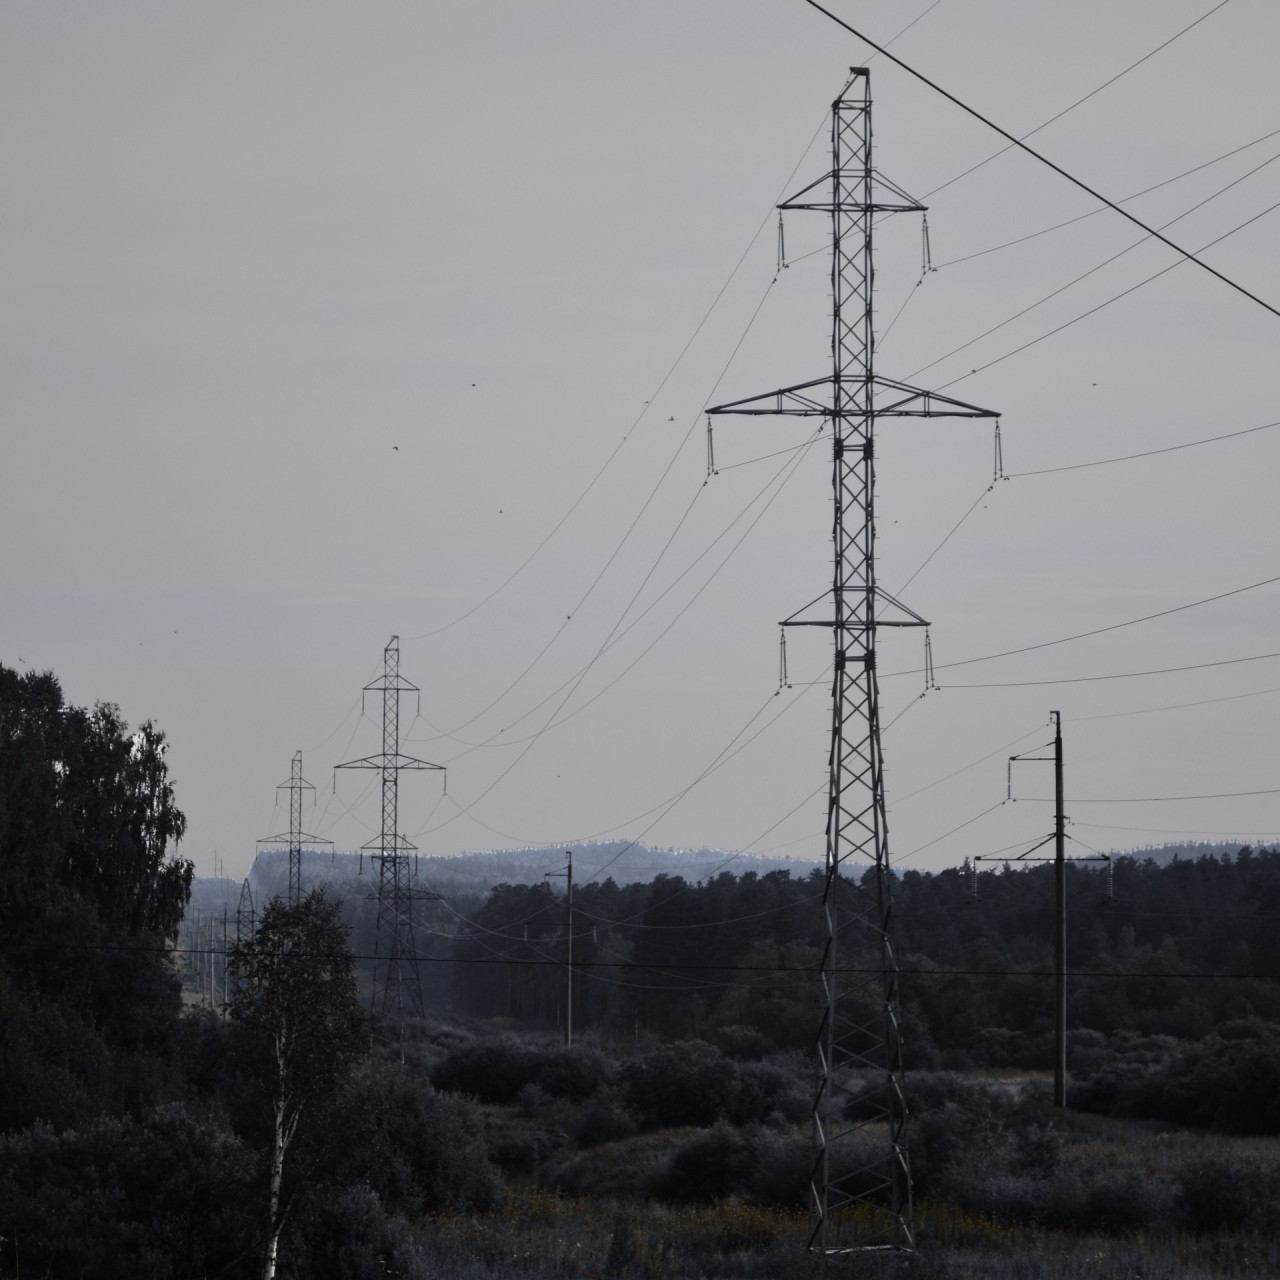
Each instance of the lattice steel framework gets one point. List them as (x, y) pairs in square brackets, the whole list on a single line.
[(397, 983), (860, 1182), (246, 915), (295, 837)]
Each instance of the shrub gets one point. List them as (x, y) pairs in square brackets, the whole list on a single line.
[(571, 1073), (712, 1165), (1218, 1196), (764, 1089), (489, 1070), (164, 1198), (346, 1236), (746, 1044), (1229, 1081), (603, 1118), (496, 1070), (782, 1172), (952, 1124), (691, 1083), (416, 1149)]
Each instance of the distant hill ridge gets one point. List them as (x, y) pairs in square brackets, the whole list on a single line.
[(623, 861)]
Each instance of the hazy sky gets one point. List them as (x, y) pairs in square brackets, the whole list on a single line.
[(323, 323)]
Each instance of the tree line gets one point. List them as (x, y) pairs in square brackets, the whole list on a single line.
[(1175, 950)]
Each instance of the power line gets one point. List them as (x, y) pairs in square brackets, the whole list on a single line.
[(1147, 453), (1106, 262), (954, 530), (966, 767), (1093, 213), (1217, 795), (1097, 631), (552, 722), (691, 967), (1176, 706), (1122, 675), (1124, 293), (1079, 101), (1036, 155), (967, 823)]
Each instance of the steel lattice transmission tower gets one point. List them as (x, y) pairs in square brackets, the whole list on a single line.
[(397, 984), (246, 915), (860, 1183), (295, 837)]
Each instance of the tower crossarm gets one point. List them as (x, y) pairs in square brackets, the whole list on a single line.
[(910, 402), (392, 760), (283, 838), (883, 196)]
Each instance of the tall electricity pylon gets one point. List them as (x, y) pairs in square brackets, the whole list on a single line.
[(397, 984), (296, 785), (861, 1182)]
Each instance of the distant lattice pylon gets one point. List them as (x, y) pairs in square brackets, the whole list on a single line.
[(296, 838), (397, 982)]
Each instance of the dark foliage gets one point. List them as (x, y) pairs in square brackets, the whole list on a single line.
[(345, 1235), (1215, 1195), (603, 1118), (714, 1164), (167, 1197), (497, 1070), (418, 1150), (88, 896), (1229, 1081), (87, 814), (952, 1122), (691, 1083)]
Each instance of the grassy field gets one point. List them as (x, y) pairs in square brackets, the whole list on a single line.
[(1009, 1189)]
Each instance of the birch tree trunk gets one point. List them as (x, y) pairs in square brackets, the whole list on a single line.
[(282, 1135)]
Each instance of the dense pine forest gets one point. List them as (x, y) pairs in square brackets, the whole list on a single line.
[(279, 1129)]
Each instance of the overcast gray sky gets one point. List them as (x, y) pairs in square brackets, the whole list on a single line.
[(319, 320)]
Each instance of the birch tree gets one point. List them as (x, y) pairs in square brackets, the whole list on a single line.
[(294, 1002)]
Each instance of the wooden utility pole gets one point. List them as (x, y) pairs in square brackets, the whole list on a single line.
[(1060, 949), (568, 998)]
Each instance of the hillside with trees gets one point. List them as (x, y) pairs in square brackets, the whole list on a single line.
[(284, 1131)]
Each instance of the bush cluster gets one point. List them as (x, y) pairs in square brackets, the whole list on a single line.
[(497, 1070), (1228, 1081)]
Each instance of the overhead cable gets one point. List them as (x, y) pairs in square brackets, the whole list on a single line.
[(1036, 155), (1079, 101), (1097, 631), (1121, 675), (1146, 453), (1093, 213)]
